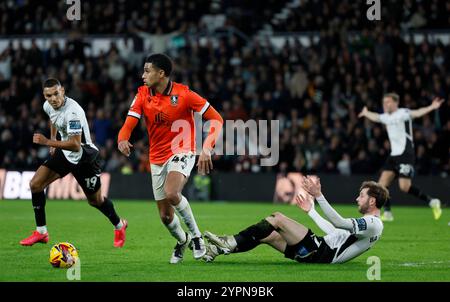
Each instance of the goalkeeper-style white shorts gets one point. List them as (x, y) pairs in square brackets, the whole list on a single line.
[(182, 162)]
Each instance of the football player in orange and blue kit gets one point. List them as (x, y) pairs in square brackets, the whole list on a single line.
[(168, 110)]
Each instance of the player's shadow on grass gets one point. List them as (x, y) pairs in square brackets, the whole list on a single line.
[(256, 263)]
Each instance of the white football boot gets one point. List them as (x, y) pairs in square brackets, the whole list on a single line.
[(198, 247), (226, 243)]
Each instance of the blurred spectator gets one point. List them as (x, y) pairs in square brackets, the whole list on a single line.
[(344, 165), (101, 127)]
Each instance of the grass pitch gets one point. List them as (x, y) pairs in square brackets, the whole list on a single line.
[(413, 248)]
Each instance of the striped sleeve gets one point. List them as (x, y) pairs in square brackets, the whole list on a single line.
[(196, 102), (136, 107)]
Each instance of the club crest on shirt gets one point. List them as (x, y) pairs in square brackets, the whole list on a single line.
[(174, 100)]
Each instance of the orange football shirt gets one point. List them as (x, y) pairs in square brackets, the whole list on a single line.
[(169, 118)]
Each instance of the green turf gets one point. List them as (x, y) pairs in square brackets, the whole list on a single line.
[(413, 248)]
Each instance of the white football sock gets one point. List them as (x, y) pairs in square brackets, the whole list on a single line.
[(41, 229), (119, 225), (184, 210), (176, 230)]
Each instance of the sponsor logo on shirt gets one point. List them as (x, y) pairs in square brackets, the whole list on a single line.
[(75, 125), (362, 224), (162, 119)]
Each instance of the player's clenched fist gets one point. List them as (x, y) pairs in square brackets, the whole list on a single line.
[(124, 147), (363, 112), (39, 139), (437, 102)]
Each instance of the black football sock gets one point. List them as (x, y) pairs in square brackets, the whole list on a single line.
[(250, 237), (415, 191), (107, 208), (38, 201), (387, 204)]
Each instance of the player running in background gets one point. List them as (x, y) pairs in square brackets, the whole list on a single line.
[(345, 239), (168, 108), (69, 155), (401, 161)]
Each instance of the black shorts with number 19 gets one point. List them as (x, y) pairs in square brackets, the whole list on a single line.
[(86, 172)]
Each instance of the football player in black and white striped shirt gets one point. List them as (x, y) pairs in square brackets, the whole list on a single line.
[(401, 161), (345, 239)]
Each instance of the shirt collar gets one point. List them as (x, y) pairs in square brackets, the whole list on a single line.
[(166, 91)]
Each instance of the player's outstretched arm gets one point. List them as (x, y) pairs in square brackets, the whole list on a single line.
[(373, 116), (72, 144), (306, 202), (437, 102), (124, 135), (312, 186)]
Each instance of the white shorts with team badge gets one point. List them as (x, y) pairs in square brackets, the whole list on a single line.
[(182, 162)]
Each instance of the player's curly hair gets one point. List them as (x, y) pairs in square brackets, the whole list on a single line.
[(376, 190), (160, 61)]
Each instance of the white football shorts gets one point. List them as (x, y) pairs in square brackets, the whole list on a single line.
[(182, 162)]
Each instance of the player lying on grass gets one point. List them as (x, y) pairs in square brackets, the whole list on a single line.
[(69, 155), (345, 239)]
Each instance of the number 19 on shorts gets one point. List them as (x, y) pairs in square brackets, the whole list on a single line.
[(91, 182)]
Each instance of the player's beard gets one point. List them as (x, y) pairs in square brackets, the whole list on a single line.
[(364, 207)]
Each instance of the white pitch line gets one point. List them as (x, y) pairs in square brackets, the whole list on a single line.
[(423, 263)]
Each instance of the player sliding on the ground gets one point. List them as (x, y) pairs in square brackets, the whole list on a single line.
[(401, 161), (167, 108), (69, 155), (345, 239)]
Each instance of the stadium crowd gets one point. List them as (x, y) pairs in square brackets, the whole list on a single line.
[(158, 16), (124, 17), (407, 14), (315, 92)]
